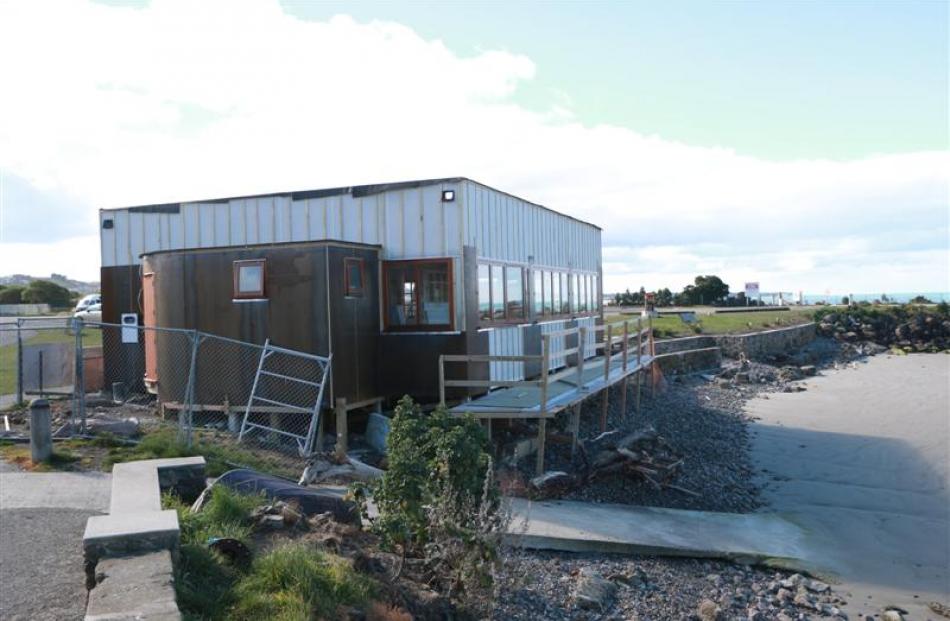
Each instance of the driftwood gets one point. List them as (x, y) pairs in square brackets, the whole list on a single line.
[(327, 467), (643, 453)]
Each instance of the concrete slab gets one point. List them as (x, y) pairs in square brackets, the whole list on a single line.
[(861, 460), (138, 587), (589, 527), (127, 533), (137, 485), (88, 491)]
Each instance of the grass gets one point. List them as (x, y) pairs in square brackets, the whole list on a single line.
[(164, 443), (19, 454), (293, 581), (8, 353), (669, 326)]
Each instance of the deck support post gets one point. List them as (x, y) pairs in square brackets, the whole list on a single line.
[(341, 439), (542, 432), (654, 377), (575, 427), (487, 423)]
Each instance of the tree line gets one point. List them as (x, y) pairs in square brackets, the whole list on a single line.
[(709, 290), (37, 292)]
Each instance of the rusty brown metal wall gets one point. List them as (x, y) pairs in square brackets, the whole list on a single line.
[(304, 309)]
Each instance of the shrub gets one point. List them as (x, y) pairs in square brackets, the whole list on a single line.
[(430, 455), (11, 295), (46, 292), (439, 499)]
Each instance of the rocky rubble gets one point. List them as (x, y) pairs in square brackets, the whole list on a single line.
[(907, 328), (545, 585)]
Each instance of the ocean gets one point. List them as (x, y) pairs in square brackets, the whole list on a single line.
[(900, 297)]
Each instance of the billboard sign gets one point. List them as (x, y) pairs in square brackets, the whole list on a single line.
[(752, 290)]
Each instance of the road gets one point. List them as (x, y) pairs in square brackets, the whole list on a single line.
[(42, 519), (861, 461)]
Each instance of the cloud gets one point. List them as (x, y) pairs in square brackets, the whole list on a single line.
[(112, 106)]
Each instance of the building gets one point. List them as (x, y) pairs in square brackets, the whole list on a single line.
[(385, 277)]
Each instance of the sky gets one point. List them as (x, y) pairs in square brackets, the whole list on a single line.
[(803, 145)]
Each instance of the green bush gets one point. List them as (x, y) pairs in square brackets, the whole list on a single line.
[(430, 456)]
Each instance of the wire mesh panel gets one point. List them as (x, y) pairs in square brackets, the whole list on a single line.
[(283, 411)]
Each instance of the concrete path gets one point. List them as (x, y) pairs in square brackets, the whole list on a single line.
[(42, 518), (588, 527), (861, 462)]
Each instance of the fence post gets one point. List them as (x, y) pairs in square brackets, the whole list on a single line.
[(543, 406), (581, 351), (19, 362), (605, 402), (79, 383), (41, 440), (442, 380), (341, 432), (639, 354), (623, 394), (185, 417)]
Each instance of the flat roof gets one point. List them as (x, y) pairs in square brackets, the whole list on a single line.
[(354, 190)]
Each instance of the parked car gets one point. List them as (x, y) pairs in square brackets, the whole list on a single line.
[(91, 312), (87, 301)]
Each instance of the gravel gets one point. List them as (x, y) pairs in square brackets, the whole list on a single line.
[(543, 585)]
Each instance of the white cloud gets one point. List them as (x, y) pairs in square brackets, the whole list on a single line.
[(185, 100)]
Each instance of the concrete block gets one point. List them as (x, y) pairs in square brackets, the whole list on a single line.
[(41, 438), (130, 533), (134, 587), (137, 485)]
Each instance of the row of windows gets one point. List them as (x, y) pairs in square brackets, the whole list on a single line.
[(502, 293), (418, 294)]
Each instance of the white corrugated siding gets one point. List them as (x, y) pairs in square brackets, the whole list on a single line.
[(591, 337), (506, 342), (557, 343), (506, 228)]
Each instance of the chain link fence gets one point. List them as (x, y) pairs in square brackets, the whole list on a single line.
[(246, 404)]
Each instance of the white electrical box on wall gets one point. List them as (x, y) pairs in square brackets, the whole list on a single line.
[(130, 327)]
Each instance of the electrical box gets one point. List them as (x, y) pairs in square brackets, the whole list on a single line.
[(130, 327)]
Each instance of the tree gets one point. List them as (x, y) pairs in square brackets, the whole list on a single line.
[(664, 297), (704, 290), (920, 299), (46, 292), (11, 295)]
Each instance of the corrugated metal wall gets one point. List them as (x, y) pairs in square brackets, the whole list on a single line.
[(506, 342), (506, 228), (558, 343)]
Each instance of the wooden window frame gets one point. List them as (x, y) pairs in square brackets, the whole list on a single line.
[(237, 294), (416, 264), (349, 290)]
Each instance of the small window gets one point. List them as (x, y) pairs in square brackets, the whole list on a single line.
[(249, 277), (498, 292), (353, 276), (565, 293), (537, 297)]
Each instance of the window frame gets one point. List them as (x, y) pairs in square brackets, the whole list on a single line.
[(416, 265), (349, 290), (236, 293), (501, 268)]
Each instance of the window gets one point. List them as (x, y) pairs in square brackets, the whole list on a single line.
[(582, 287), (548, 293), (249, 278), (484, 292), (353, 276), (514, 292), (497, 292), (565, 297), (419, 294), (598, 298), (537, 302)]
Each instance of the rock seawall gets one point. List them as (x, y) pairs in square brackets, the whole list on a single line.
[(758, 345)]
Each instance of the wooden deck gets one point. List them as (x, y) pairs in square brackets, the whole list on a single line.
[(587, 374)]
